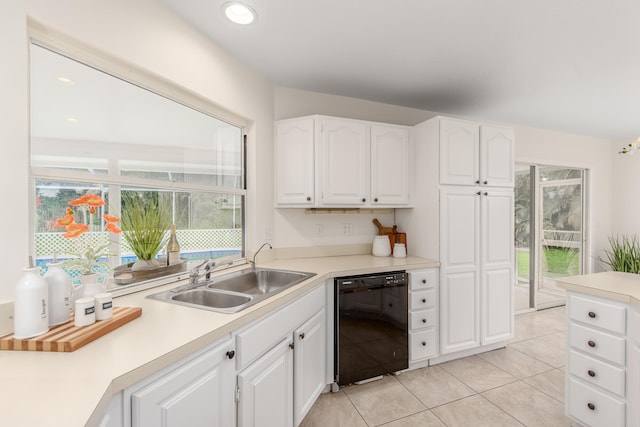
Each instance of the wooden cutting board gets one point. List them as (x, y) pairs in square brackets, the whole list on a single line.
[(68, 337)]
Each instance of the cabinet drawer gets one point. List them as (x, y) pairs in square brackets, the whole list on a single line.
[(596, 312), (598, 373), (422, 319), (593, 407), (422, 344), (423, 279), (255, 340), (422, 299), (597, 343), (634, 327)]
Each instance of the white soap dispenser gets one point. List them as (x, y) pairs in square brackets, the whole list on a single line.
[(31, 309), (59, 288)]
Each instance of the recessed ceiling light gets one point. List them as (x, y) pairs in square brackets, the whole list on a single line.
[(239, 13), (72, 120)]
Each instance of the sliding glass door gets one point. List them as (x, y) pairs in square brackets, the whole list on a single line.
[(549, 232)]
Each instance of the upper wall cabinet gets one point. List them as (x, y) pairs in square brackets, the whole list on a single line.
[(476, 154), (333, 162)]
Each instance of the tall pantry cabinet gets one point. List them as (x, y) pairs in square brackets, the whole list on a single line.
[(463, 216)]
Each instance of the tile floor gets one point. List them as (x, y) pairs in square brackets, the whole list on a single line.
[(520, 385)]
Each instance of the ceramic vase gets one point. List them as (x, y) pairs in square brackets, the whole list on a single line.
[(90, 285), (60, 287), (31, 310)]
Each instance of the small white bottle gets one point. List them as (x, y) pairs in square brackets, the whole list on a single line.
[(173, 248), (60, 286), (31, 310)]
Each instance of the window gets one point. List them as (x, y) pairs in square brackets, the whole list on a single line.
[(94, 133)]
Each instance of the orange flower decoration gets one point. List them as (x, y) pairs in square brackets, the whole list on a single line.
[(65, 220), (110, 218), (75, 230), (113, 228), (88, 199)]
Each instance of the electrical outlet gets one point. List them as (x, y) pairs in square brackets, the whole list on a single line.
[(319, 229), (268, 233), (347, 229)]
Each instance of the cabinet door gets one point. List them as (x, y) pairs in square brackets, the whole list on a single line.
[(459, 152), (389, 165), (497, 165), (266, 389), (198, 393), (496, 265), (345, 162), (309, 364), (294, 166), (459, 280)]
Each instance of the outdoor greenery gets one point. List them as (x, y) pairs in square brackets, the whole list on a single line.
[(558, 261), (623, 255)]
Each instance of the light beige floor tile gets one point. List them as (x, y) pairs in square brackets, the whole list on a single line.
[(382, 401), (434, 386), (422, 419), (333, 409), (538, 324), (548, 349), (515, 363), (477, 373), (528, 405), (474, 411), (550, 383)]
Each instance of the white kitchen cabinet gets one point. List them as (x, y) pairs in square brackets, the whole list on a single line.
[(294, 154), (345, 161), (309, 361), (423, 316), (475, 154), (326, 161), (389, 165), (476, 267), (265, 389), (198, 392)]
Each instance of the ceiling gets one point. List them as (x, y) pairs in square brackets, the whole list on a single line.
[(566, 65)]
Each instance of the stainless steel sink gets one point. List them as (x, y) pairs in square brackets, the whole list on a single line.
[(233, 292)]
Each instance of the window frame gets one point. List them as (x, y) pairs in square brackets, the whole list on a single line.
[(58, 43)]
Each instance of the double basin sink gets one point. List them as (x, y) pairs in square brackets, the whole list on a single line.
[(233, 292)]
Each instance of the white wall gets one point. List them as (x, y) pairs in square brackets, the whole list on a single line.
[(626, 193), (148, 36)]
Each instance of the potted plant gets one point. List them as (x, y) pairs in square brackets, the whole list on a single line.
[(623, 255), (145, 224)]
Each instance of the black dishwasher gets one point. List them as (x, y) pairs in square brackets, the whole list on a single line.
[(371, 321)]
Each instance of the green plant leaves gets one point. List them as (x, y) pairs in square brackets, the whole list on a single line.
[(623, 255)]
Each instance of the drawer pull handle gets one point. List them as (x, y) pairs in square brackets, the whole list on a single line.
[(591, 406), (591, 373), (592, 315), (424, 343), (302, 336), (424, 281), (231, 354), (591, 344), (424, 300), (424, 320)]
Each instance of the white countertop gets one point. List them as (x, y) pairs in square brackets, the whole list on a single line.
[(613, 285), (74, 389)]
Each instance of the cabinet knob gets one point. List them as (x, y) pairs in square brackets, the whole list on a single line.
[(591, 406), (486, 182), (292, 346), (591, 344), (424, 300), (479, 193), (477, 181), (364, 200), (308, 198), (231, 354), (375, 200), (592, 315), (424, 281), (302, 336), (424, 320), (591, 373), (486, 194), (424, 343)]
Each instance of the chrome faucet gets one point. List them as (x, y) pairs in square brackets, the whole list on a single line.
[(195, 275), (253, 261)]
